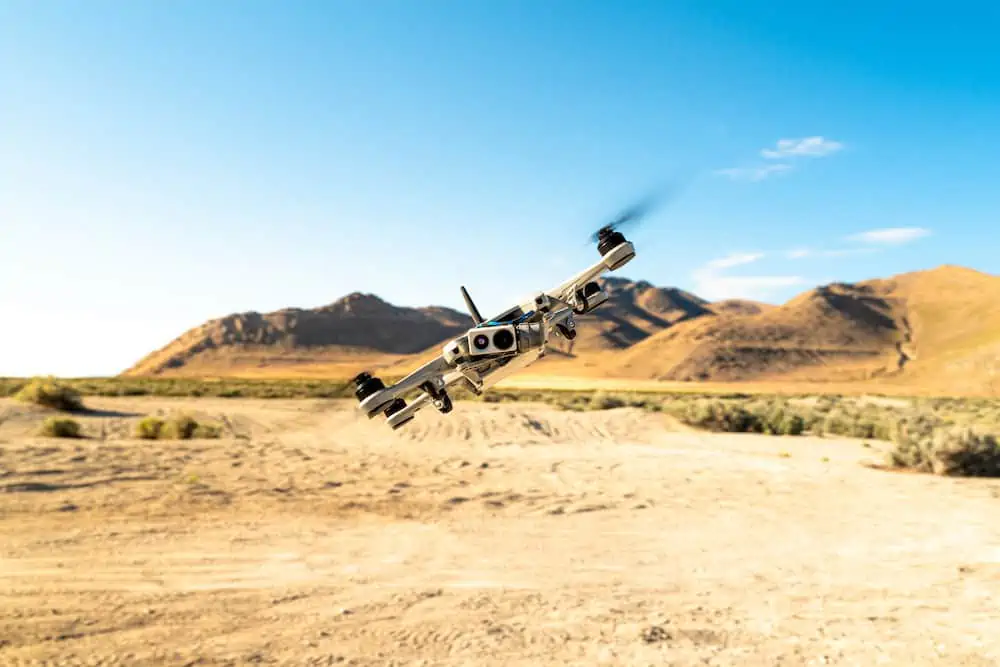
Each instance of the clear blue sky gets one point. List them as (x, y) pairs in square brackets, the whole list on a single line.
[(164, 163)]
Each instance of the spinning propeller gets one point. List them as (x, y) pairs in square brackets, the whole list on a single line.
[(609, 234)]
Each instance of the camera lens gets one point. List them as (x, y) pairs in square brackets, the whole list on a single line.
[(481, 342), (503, 339)]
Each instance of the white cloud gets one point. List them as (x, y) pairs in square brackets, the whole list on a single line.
[(891, 235), (711, 284), (753, 174), (734, 259), (808, 147), (804, 253)]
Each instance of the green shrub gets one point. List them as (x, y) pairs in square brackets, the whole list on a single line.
[(177, 427), (50, 393), (149, 428), (792, 425), (955, 450), (61, 427), (604, 401)]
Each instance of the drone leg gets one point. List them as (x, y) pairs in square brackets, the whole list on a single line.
[(439, 397)]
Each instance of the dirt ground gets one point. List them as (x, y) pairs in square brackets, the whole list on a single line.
[(502, 534)]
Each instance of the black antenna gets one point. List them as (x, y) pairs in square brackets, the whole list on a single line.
[(476, 317)]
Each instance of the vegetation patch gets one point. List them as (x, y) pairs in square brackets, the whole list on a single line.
[(953, 436), (176, 427), (50, 393), (61, 427)]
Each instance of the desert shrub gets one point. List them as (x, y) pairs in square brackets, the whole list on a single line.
[(149, 428), (605, 401), (717, 416), (926, 445), (792, 424), (50, 393), (177, 427), (61, 427)]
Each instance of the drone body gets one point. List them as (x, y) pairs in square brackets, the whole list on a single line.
[(494, 349)]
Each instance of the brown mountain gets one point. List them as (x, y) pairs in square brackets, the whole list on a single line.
[(634, 311), (939, 327), (355, 330)]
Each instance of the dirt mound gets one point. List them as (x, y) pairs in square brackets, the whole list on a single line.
[(358, 325)]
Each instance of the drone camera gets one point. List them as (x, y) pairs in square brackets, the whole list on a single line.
[(492, 340)]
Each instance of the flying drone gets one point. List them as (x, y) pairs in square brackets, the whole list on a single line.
[(493, 349)]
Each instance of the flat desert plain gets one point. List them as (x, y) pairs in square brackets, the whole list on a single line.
[(502, 534)]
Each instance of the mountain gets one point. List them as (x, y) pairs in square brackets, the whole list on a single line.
[(939, 327), (634, 311), (355, 330)]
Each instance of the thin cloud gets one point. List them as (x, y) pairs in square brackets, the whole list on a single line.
[(712, 284), (807, 147), (891, 235), (805, 253), (753, 174), (734, 259)]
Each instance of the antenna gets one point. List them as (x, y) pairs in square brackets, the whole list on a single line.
[(476, 317)]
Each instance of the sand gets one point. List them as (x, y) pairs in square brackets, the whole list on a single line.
[(502, 534)]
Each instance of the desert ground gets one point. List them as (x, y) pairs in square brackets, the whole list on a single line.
[(502, 534)]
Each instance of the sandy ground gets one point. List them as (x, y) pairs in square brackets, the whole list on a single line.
[(502, 534)]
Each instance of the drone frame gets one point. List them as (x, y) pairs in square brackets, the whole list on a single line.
[(535, 322)]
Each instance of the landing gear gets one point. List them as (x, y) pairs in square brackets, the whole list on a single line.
[(566, 332), (394, 408), (439, 397)]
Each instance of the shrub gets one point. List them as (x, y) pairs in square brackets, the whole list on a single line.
[(792, 425), (604, 401), (717, 416), (61, 427), (149, 428), (177, 427), (50, 393), (953, 450)]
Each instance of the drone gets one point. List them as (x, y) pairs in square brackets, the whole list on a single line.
[(493, 349)]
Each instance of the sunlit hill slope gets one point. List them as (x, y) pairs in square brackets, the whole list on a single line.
[(939, 327)]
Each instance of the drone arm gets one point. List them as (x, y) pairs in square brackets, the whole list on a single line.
[(612, 261)]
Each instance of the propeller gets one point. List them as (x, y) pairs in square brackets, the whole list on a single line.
[(634, 214)]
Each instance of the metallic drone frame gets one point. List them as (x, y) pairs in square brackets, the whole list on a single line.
[(550, 312)]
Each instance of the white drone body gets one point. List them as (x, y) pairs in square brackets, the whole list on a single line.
[(496, 348)]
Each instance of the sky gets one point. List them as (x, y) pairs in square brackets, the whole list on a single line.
[(163, 162)]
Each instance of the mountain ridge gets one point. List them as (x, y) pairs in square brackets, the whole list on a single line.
[(920, 324)]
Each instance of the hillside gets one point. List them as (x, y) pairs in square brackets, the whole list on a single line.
[(354, 331), (939, 327), (634, 311)]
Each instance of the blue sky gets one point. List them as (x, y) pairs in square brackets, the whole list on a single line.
[(164, 163)]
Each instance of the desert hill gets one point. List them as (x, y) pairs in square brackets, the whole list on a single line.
[(940, 326), (357, 329), (634, 311)]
